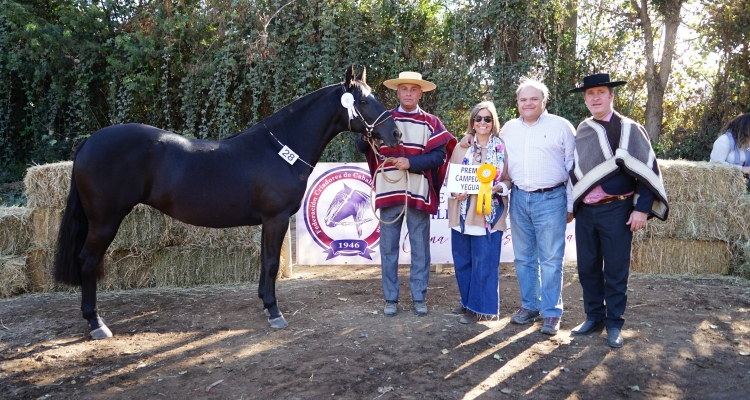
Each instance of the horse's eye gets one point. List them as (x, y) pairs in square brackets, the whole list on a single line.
[(362, 101)]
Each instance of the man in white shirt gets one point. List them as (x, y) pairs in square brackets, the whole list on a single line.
[(540, 149)]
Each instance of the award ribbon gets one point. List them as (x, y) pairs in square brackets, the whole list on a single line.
[(486, 174), (347, 100)]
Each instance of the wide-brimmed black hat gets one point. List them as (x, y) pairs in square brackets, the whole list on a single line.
[(596, 80)]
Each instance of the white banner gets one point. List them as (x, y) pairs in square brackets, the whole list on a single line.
[(336, 224)]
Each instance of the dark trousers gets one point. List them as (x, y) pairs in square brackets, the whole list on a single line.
[(603, 242)]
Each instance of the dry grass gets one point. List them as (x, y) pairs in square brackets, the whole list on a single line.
[(690, 221), (741, 258), (48, 185), (15, 230), (738, 214), (45, 225), (700, 181), (197, 265), (39, 271), (127, 269), (143, 228), (673, 256), (13, 278), (182, 234)]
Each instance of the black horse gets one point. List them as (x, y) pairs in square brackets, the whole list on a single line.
[(253, 177)]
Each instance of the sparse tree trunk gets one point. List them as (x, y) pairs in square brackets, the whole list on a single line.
[(658, 71)]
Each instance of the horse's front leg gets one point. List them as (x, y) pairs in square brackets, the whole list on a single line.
[(272, 238)]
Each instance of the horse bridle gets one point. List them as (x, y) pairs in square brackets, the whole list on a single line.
[(368, 127)]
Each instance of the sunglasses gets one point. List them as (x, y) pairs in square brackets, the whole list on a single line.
[(487, 119)]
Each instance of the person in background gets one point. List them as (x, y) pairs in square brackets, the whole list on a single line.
[(475, 238), (423, 153), (733, 146), (540, 154), (617, 185)]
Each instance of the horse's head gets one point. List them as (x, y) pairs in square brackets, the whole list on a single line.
[(373, 119)]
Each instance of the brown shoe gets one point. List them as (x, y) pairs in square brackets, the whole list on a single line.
[(459, 310), (470, 317)]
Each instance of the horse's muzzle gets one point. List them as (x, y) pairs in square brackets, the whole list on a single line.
[(397, 136)]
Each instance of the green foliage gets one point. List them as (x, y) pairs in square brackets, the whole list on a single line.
[(210, 68)]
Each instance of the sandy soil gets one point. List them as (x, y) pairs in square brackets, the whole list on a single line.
[(685, 338)]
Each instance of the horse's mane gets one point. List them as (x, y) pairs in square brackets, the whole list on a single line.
[(364, 87)]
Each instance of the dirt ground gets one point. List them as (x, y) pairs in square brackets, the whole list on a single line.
[(685, 338)]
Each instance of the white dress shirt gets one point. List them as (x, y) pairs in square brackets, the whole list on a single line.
[(541, 154)]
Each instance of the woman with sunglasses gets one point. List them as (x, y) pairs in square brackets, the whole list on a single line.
[(476, 237)]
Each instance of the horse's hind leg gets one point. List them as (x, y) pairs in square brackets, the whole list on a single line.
[(272, 238), (91, 261)]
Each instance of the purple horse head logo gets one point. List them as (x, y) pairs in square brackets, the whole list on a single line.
[(348, 203)]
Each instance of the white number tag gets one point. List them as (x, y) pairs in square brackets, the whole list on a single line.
[(288, 155)]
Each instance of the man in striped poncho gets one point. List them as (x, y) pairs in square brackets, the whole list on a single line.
[(424, 153)]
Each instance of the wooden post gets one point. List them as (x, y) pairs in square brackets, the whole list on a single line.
[(285, 261)]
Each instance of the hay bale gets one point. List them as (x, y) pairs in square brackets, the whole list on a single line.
[(45, 226), (182, 234), (15, 230), (690, 221), (701, 181), (48, 185), (13, 278), (741, 258), (39, 271), (672, 256), (127, 269), (144, 228), (195, 265), (738, 214)]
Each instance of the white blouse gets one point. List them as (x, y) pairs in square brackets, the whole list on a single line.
[(722, 152)]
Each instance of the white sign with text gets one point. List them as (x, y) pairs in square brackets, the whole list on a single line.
[(462, 179), (336, 225)]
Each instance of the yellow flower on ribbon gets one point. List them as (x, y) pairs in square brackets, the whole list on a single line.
[(486, 174)]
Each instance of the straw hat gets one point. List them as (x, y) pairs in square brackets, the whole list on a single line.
[(410, 77), (596, 80)]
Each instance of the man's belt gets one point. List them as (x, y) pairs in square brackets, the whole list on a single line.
[(549, 189), (608, 200)]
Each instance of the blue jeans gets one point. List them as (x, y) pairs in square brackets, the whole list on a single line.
[(418, 226), (538, 223), (476, 260), (603, 242)]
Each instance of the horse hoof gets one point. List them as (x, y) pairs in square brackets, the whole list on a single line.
[(278, 323), (268, 313), (101, 333)]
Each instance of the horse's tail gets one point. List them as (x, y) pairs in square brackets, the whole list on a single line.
[(73, 230)]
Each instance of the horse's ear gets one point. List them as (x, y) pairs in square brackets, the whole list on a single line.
[(345, 186), (363, 76), (349, 81)]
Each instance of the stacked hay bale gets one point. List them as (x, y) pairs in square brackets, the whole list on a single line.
[(150, 249), (15, 234), (739, 226), (696, 238)]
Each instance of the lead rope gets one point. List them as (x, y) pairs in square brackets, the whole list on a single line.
[(381, 170), (368, 132)]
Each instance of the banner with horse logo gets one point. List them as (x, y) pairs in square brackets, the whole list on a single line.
[(336, 224)]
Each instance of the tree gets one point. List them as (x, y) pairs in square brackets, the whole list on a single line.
[(657, 71)]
